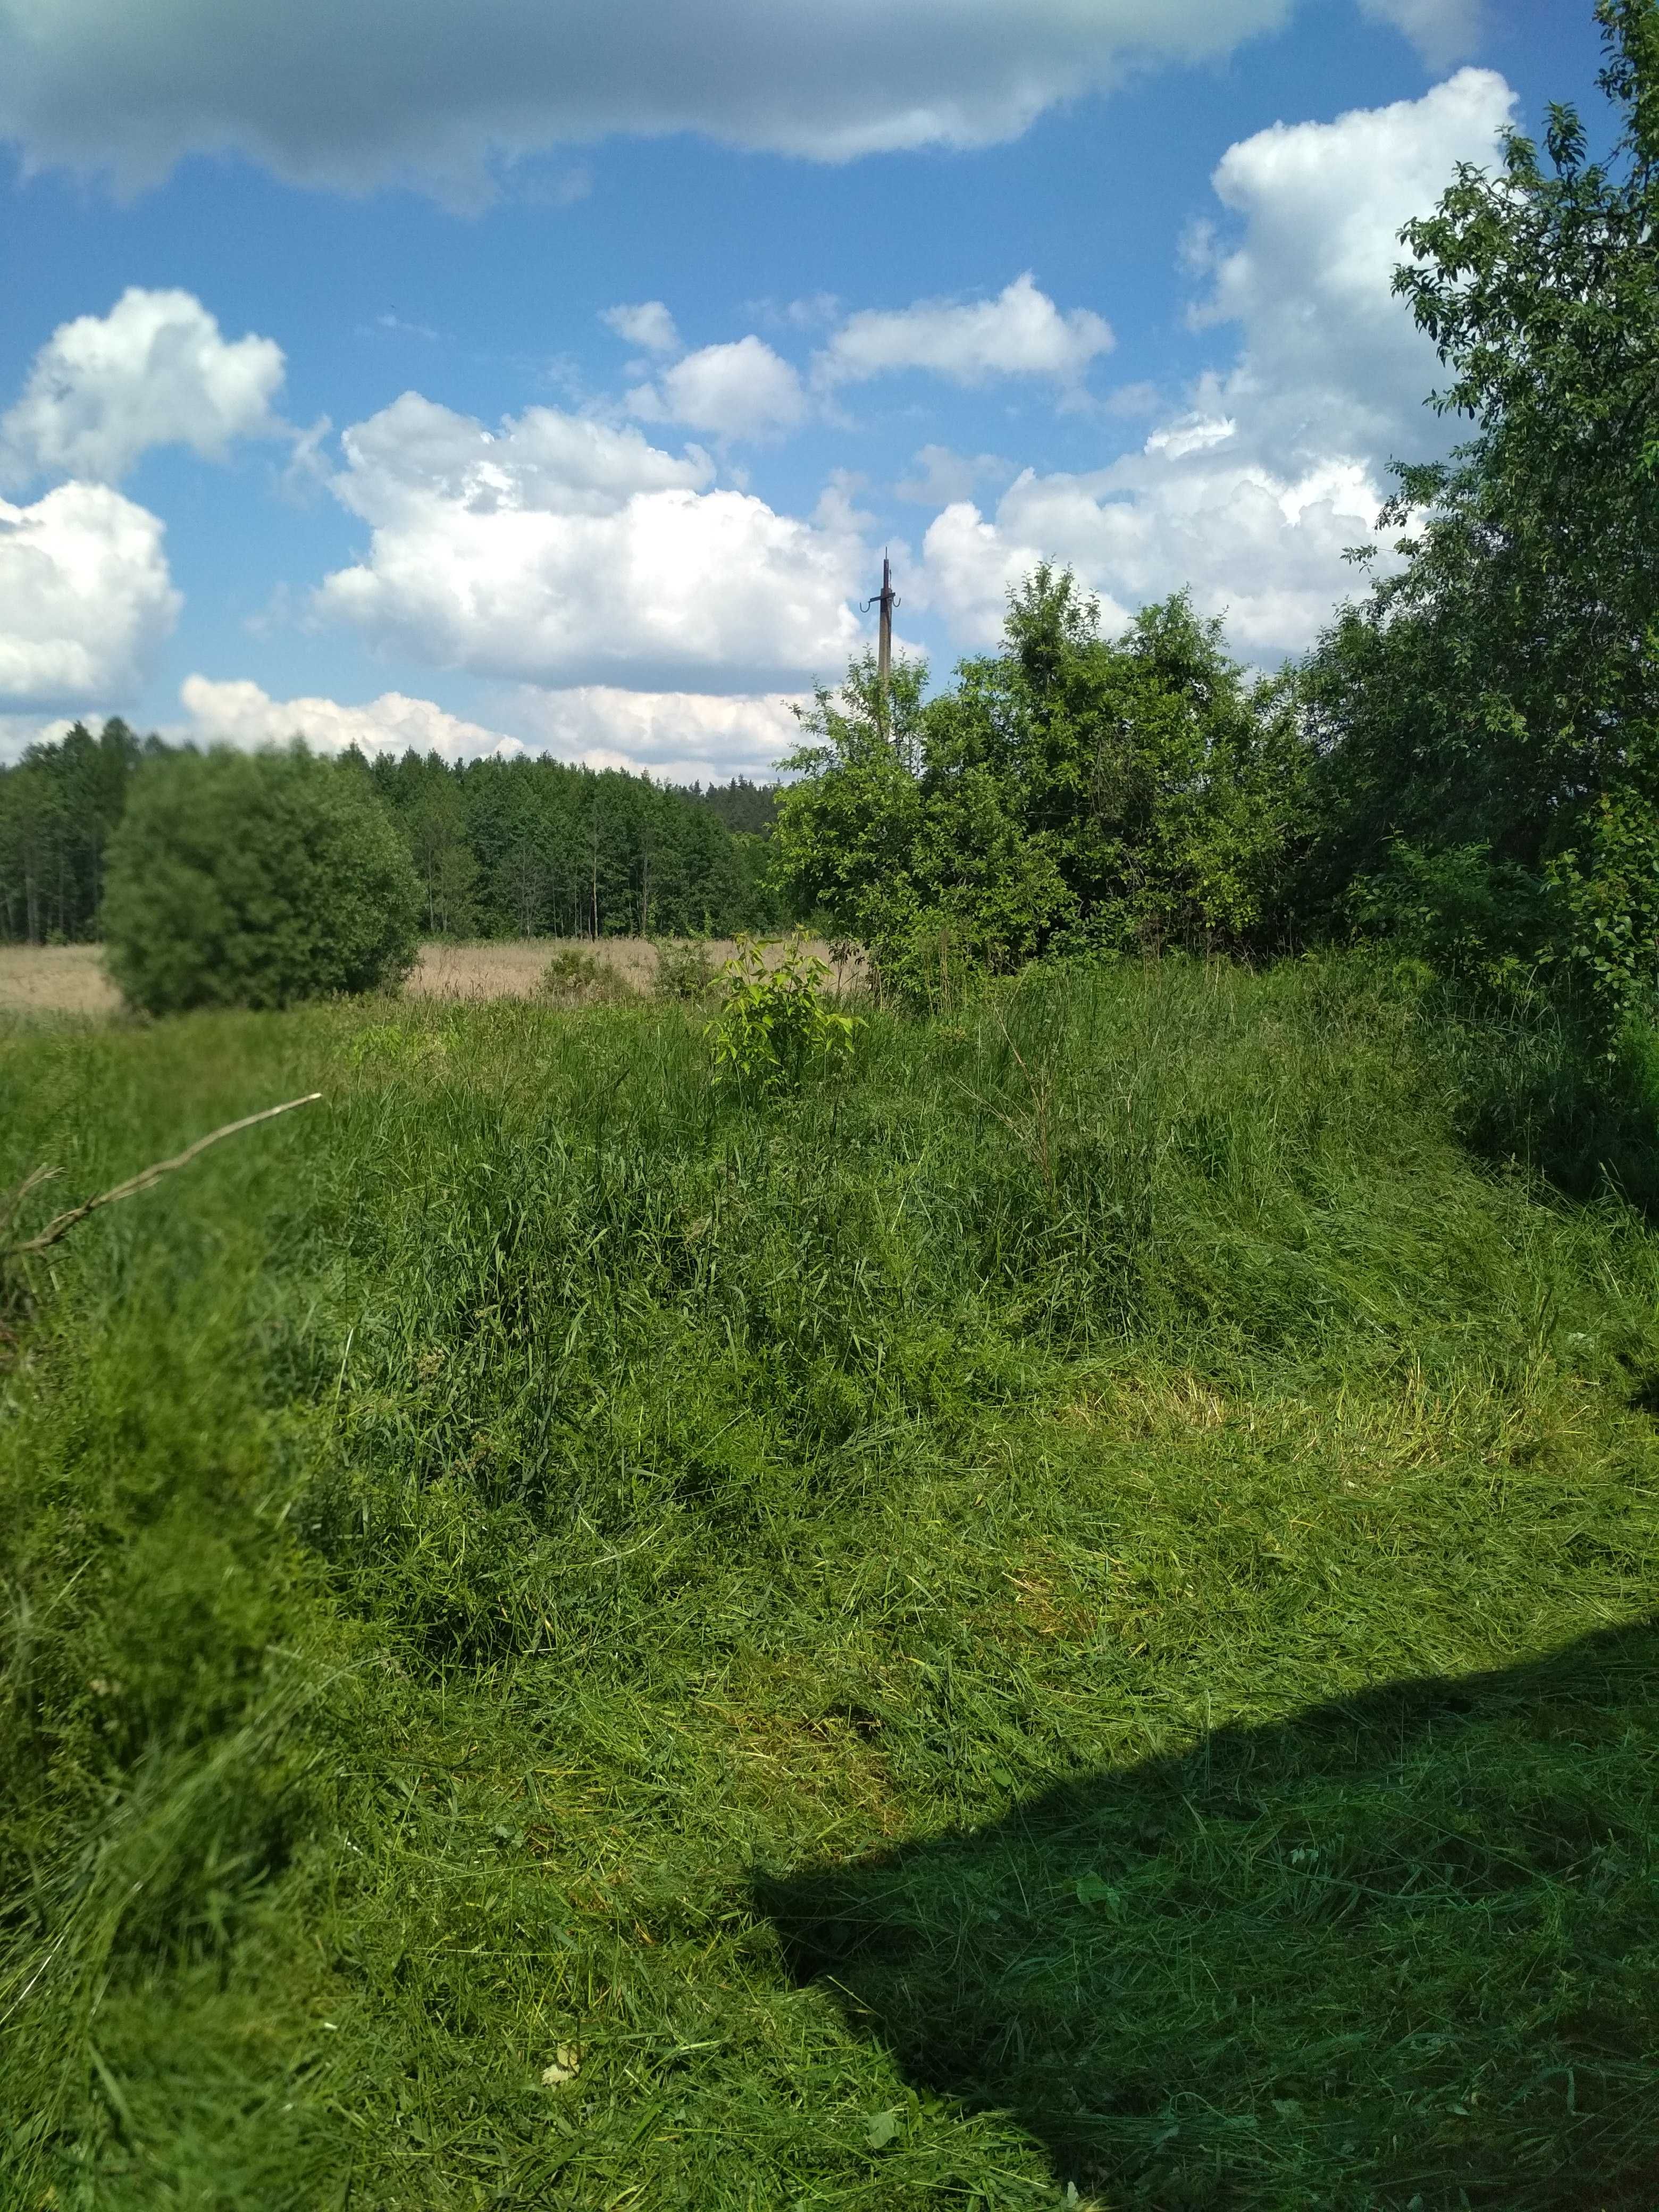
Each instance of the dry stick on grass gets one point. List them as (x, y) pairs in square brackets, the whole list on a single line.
[(12, 1203), (64, 1222)]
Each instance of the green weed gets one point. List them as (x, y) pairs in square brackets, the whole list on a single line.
[(773, 1029), (684, 969)]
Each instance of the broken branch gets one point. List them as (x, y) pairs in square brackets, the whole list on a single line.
[(64, 1222)]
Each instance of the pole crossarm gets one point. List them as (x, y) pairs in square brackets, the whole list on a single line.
[(887, 598)]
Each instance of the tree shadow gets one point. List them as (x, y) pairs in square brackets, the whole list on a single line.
[(1400, 1951)]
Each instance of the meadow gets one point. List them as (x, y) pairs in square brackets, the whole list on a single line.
[(1065, 1617), (70, 979)]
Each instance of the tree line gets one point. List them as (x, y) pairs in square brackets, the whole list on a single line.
[(521, 848)]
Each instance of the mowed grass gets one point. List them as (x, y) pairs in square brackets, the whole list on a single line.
[(1066, 1618)]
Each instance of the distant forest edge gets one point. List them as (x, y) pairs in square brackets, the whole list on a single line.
[(525, 848)]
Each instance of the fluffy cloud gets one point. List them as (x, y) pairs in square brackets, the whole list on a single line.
[(685, 736), (1330, 358), (563, 550), (743, 389), (155, 371), (1019, 333), (649, 325), (1252, 494), (1266, 550), (240, 713), (682, 736), (85, 596), (433, 91)]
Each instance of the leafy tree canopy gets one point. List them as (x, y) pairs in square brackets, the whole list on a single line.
[(1067, 792), (254, 879), (1497, 696)]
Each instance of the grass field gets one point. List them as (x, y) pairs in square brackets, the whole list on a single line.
[(1066, 1618), (70, 979)]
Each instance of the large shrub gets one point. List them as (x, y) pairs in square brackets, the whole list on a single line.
[(254, 880)]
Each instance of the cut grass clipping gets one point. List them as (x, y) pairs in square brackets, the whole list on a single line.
[(1059, 1618)]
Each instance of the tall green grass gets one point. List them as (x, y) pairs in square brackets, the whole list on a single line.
[(1061, 1618)]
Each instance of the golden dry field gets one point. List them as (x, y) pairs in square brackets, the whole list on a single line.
[(70, 979), (55, 979)]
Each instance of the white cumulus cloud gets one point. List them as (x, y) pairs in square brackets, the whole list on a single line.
[(682, 736), (85, 598), (1330, 358), (1265, 549), (648, 325), (238, 713), (1251, 493), (743, 389), (156, 370), (561, 551), (434, 92), (1021, 333)]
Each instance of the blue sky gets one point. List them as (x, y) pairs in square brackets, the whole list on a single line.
[(556, 375)]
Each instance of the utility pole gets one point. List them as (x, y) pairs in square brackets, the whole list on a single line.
[(886, 599)]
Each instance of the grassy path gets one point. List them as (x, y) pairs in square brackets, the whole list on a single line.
[(1003, 1634)]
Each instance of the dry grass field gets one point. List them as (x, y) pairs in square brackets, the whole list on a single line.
[(55, 979), (70, 979), (512, 967)]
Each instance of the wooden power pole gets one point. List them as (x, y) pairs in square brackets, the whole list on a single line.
[(886, 599)]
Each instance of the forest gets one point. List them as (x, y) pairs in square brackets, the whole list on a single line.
[(524, 848)]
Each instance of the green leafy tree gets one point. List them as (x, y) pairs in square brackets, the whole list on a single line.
[(847, 833), (1499, 694), (1070, 791), (58, 808), (255, 880)]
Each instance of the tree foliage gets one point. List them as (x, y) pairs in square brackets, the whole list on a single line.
[(58, 809), (533, 848), (254, 880), (774, 1027), (1497, 695), (1070, 791)]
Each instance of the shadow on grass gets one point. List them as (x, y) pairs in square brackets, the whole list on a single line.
[(1531, 1089), (1400, 1951)]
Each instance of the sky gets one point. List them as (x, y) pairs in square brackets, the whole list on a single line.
[(512, 375)]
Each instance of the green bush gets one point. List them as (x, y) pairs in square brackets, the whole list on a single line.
[(774, 1028), (255, 880), (575, 978), (684, 969)]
